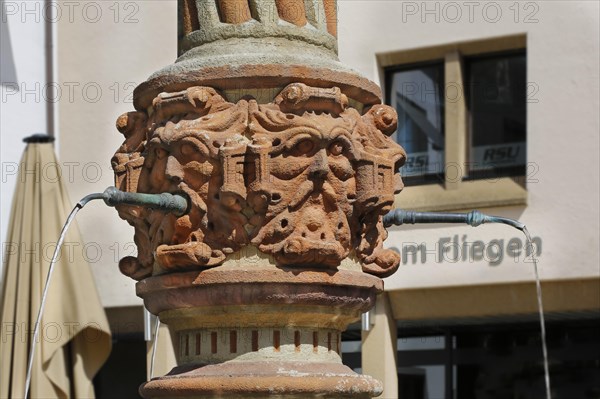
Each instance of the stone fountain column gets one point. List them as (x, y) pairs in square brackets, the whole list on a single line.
[(285, 158)]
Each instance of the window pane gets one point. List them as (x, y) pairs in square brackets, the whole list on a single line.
[(498, 363), (422, 367), (417, 95), (497, 104)]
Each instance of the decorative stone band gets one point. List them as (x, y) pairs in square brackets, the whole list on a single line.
[(236, 68), (205, 21), (210, 346), (251, 332), (253, 296), (249, 45), (274, 379)]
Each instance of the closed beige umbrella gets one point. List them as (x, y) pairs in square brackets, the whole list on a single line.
[(74, 339)]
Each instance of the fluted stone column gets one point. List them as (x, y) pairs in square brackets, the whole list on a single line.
[(284, 155)]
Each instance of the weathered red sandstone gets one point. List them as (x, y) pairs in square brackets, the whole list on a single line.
[(286, 159)]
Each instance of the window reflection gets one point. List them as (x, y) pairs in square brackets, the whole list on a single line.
[(497, 104), (417, 95)]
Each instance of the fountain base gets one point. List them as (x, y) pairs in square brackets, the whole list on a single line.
[(263, 380), (260, 331)]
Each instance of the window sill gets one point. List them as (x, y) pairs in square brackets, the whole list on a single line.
[(468, 195)]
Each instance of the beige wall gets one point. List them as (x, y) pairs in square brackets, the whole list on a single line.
[(22, 108), (115, 57), (562, 128)]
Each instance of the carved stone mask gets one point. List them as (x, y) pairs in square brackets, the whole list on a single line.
[(305, 179), (310, 189)]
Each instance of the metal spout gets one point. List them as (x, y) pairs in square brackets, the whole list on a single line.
[(164, 202), (474, 218)]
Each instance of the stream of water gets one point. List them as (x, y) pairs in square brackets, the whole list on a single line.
[(540, 303), (36, 331)]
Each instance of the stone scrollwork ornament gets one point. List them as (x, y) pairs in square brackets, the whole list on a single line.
[(305, 179)]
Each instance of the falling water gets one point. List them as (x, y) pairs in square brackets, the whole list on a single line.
[(164, 202), (538, 286), (154, 343), (36, 330)]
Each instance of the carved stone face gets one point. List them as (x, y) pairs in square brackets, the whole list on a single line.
[(179, 162), (188, 135), (304, 178), (310, 191)]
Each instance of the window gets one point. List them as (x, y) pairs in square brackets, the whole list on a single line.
[(462, 120), (481, 361), (417, 94), (497, 115)]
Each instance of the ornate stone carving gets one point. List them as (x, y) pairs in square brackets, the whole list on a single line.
[(191, 138), (304, 178), (288, 169)]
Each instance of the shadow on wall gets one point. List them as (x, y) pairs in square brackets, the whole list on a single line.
[(8, 73)]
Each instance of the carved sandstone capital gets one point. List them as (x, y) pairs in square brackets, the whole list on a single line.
[(304, 179)]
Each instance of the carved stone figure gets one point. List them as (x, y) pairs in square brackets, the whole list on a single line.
[(194, 145), (297, 178)]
